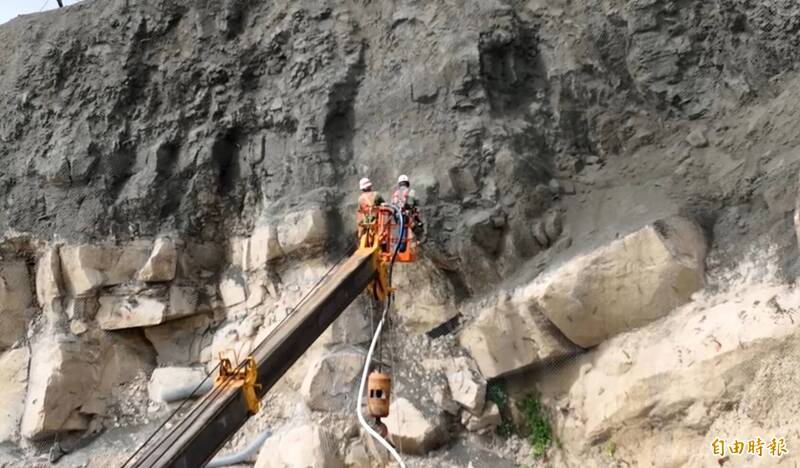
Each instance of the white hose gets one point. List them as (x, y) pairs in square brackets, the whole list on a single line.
[(361, 419)]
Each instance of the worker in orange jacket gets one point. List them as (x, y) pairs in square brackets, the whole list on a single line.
[(405, 198), (367, 200)]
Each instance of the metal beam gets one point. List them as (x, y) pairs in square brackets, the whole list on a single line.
[(216, 418)]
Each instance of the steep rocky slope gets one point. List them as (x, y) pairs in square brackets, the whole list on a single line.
[(609, 190)]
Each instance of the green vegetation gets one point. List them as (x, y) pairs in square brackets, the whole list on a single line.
[(611, 448), (496, 392), (537, 428)]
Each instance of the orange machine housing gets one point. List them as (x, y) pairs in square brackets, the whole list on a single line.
[(384, 231)]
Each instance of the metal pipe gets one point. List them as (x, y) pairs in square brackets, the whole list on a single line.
[(185, 391), (243, 455)]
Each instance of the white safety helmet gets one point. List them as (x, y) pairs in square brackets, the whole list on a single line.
[(402, 178), (364, 183)]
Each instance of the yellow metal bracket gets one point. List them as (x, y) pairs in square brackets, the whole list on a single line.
[(244, 377), (379, 288)]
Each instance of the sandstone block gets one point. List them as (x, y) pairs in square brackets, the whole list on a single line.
[(62, 377), (88, 267), (302, 230), (15, 299), (431, 303), (512, 335), (263, 247), (162, 264), (166, 379), (49, 283), (331, 381), (232, 291), (179, 341), (683, 371), (625, 284), (13, 385), (118, 312), (467, 387), (306, 445), (415, 430), (484, 422)]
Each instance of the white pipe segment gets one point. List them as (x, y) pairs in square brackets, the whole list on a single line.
[(361, 419), (183, 392), (243, 455)]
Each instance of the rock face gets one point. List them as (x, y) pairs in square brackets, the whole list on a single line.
[(15, 298), (532, 132), (332, 381), (413, 431), (625, 284), (13, 386), (304, 445)]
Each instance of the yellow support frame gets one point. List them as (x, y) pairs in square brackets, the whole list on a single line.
[(245, 378)]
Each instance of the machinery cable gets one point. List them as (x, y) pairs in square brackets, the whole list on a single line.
[(213, 394), (164, 423), (368, 360)]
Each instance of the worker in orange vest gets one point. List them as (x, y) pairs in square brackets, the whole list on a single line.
[(366, 202), (406, 198)]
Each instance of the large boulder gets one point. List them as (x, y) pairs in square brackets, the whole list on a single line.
[(15, 299), (63, 373), (425, 295), (88, 267), (415, 430), (166, 380), (13, 384), (119, 312), (513, 335), (232, 290), (307, 445), (625, 284), (123, 359), (467, 387), (302, 230), (689, 373), (332, 380), (162, 264)]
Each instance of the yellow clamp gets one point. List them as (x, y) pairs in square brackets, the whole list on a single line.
[(245, 377), (379, 288)]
